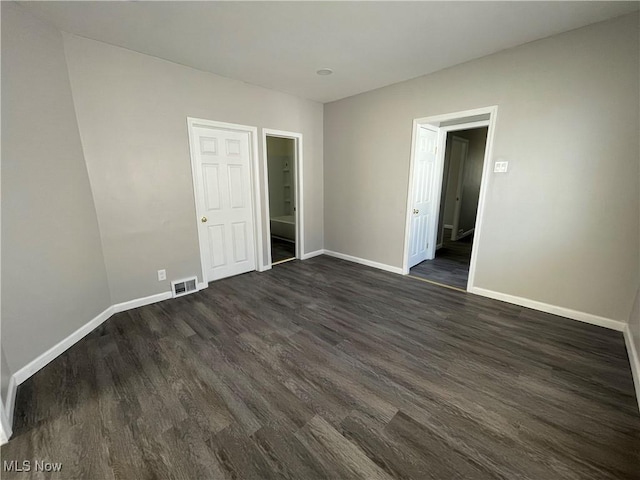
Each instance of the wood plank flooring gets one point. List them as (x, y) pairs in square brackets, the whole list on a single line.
[(325, 369), (451, 265)]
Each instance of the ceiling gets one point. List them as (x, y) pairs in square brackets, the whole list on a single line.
[(281, 45)]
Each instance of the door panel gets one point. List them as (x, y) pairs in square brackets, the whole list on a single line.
[(240, 246), (224, 201), (212, 186), (422, 196), (236, 188)]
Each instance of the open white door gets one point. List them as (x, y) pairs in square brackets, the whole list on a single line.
[(221, 161), (423, 225)]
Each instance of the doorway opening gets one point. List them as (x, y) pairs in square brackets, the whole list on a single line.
[(282, 166), (460, 192), (449, 171)]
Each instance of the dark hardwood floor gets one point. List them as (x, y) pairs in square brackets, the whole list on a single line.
[(324, 369), (282, 250), (451, 265)]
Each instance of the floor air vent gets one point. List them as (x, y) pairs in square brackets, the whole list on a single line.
[(183, 287)]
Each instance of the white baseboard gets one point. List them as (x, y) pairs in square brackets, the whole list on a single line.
[(5, 427), (202, 286), (364, 261), (63, 345), (316, 253), (6, 412), (10, 404), (141, 302), (553, 309), (617, 325), (58, 349), (634, 360)]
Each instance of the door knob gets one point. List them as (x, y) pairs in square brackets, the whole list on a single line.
[(416, 211), (203, 219)]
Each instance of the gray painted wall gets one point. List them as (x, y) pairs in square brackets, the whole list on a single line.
[(53, 275), (567, 123), (132, 111)]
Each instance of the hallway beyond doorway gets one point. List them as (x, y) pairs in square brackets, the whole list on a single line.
[(451, 265)]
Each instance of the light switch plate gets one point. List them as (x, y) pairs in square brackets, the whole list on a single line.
[(162, 275), (500, 167)]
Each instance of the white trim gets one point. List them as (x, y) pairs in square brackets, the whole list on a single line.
[(447, 117), (313, 254), (634, 360), (11, 400), (364, 261), (202, 286), (140, 302), (466, 126), (255, 177), (298, 190), (553, 309)]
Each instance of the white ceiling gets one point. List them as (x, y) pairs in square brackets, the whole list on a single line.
[(280, 45)]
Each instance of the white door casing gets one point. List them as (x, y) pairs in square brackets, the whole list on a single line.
[(221, 160), (298, 189), (423, 216)]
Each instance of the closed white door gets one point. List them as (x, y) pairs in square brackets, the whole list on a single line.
[(222, 170), (423, 218)]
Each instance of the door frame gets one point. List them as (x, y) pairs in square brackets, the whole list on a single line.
[(298, 190), (467, 121), (254, 169)]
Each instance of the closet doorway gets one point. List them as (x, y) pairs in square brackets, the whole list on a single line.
[(282, 166)]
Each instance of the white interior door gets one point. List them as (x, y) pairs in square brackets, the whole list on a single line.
[(459, 151), (222, 170), (423, 217)]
